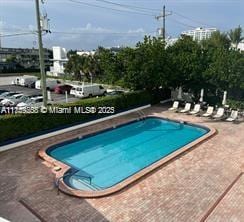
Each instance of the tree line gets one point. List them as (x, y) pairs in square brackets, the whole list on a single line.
[(214, 64)]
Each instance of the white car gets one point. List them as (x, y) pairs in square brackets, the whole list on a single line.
[(9, 101), (7, 95), (73, 90), (16, 81), (14, 100), (32, 102)]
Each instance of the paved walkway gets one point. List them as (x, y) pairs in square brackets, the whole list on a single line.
[(197, 185)]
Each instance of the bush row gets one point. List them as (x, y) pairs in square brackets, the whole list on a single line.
[(234, 104), (20, 125)]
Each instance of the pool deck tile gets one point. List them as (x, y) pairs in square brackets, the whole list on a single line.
[(183, 190), (231, 206)]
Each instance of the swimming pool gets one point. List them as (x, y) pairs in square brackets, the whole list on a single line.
[(103, 160)]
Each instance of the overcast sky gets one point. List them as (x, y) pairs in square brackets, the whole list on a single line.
[(101, 23)]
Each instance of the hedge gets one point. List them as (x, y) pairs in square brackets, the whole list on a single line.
[(23, 125), (234, 104)]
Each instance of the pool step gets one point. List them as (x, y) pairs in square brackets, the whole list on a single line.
[(82, 184)]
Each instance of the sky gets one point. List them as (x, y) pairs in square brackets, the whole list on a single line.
[(87, 24)]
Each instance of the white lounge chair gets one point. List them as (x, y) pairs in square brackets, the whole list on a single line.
[(209, 112), (186, 109), (220, 113), (233, 116), (196, 109), (175, 106)]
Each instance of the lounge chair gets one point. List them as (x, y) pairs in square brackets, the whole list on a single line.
[(209, 112), (220, 113), (233, 116), (186, 109), (175, 106), (196, 109)]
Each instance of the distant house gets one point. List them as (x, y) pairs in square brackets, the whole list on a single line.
[(200, 34), (59, 60)]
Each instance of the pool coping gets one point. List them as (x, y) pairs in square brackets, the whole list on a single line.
[(43, 153)]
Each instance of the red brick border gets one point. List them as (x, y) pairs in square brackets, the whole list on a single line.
[(212, 208), (118, 187)]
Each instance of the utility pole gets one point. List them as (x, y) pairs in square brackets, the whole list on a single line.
[(164, 23), (41, 54), (163, 16), (0, 35)]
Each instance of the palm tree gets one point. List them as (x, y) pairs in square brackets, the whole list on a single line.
[(91, 67), (74, 66), (217, 40), (236, 36)]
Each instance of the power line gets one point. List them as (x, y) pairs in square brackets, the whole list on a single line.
[(79, 33), (101, 33), (109, 8), (182, 23), (190, 19), (17, 34), (128, 6)]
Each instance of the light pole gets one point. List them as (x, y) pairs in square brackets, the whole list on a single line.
[(41, 54)]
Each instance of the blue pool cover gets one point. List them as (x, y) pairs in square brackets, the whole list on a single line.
[(109, 157)]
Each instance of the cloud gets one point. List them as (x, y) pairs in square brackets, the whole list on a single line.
[(90, 37), (7, 28), (89, 28), (17, 4), (85, 37), (140, 30)]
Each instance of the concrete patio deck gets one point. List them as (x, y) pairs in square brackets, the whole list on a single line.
[(204, 184)]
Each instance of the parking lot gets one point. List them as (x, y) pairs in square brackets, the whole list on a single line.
[(5, 84), (55, 98)]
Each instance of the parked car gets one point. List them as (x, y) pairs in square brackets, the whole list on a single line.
[(3, 91), (89, 91), (32, 102), (61, 89), (32, 85), (6, 95), (73, 90), (10, 100), (16, 81), (16, 99), (27, 81), (50, 84), (115, 93)]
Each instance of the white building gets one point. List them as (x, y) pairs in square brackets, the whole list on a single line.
[(171, 41), (86, 53), (59, 61), (199, 34), (241, 46)]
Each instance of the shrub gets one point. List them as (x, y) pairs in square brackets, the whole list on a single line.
[(234, 104), (14, 126)]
